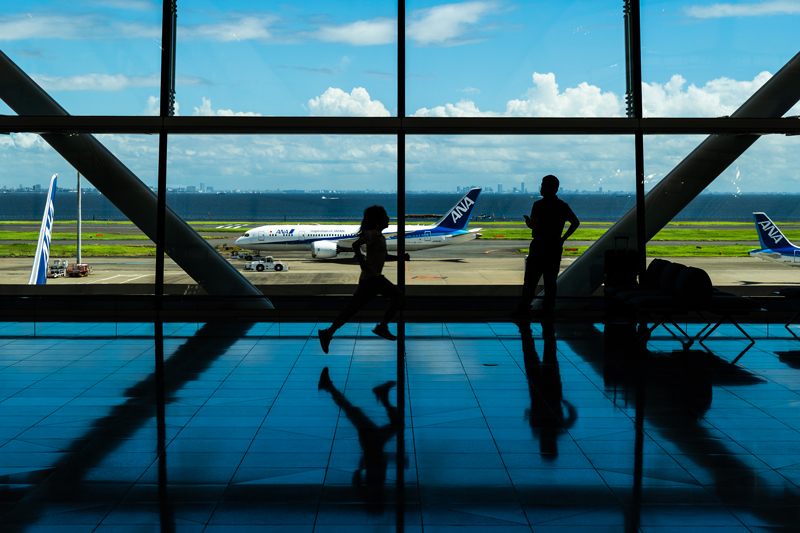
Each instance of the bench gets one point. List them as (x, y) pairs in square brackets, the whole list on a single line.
[(672, 289)]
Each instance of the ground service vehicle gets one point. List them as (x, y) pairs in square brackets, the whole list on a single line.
[(78, 270), (248, 256), (58, 269), (261, 264)]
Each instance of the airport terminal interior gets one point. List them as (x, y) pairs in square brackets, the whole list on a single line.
[(171, 391)]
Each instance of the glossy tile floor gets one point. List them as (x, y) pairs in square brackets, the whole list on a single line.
[(562, 427)]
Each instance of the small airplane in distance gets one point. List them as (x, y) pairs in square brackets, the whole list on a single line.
[(774, 245), (326, 241), (42, 256)]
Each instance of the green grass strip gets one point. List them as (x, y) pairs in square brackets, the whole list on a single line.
[(58, 236), (672, 251), (91, 250)]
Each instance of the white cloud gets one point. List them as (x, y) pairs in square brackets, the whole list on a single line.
[(234, 28), (775, 7), (337, 103), (469, 90), (719, 97), (464, 108), (541, 100), (360, 33), (130, 5), (544, 100), (95, 82), (205, 111), (107, 82), (448, 24), (153, 107), (27, 141), (83, 27)]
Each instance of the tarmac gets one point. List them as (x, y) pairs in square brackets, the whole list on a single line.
[(480, 267)]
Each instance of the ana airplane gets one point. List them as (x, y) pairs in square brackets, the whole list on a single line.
[(326, 241), (774, 246), (42, 255)]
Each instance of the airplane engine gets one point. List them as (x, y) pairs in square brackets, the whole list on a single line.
[(323, 250)]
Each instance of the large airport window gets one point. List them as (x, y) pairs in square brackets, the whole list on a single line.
[(104, 60), (486, 257), (494, 59), (280, 59), (117, 214), (282, 211), (704, 59), (711, 204)]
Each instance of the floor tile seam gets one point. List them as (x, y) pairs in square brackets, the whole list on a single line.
[(36, 383), (249, 446), (648, 433), (494, 439), (108, 376), (411, 418), (401, 431), (335, 431)]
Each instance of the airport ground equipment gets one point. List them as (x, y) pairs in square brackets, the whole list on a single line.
[(58, 269), (126, 191), (262, 264), (683, 183), (245, 256), (79, 270)]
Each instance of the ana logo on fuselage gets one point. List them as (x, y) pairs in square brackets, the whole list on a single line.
[(284, 231), (773, 232), (459, 210)]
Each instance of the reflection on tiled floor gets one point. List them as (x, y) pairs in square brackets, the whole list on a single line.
[(564, 427)]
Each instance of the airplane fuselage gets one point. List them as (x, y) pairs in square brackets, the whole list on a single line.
[(302, 237)]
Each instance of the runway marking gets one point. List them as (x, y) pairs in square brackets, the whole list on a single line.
[(486, 252), (137, 277), (408, 274), (102, 280)]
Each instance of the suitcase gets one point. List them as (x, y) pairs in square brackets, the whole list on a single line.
[(621, 265)]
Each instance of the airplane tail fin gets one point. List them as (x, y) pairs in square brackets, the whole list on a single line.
[(458, 217), (769, 235), (40, 260)]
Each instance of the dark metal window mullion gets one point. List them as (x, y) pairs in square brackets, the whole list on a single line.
[(633, 53), (167, 109)]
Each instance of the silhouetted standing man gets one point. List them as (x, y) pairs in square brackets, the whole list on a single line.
[(547, 220)]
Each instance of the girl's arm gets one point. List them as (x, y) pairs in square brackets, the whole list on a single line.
[(357, 250)]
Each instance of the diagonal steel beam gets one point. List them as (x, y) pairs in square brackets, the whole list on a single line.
[(127, 192)]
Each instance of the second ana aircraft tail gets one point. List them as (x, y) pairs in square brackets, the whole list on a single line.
[(769, 235)]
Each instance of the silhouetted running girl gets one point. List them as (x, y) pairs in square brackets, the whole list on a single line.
[(371, 282)]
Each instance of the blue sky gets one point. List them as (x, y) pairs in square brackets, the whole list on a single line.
[(473, 58)]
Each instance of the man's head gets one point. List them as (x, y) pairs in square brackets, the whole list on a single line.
[(549, 185)]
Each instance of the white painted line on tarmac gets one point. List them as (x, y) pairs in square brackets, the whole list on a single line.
[(137, 277), (102, 280)]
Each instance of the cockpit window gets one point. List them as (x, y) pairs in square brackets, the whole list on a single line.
[(246, 235)]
